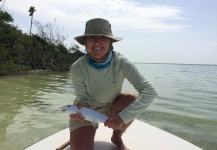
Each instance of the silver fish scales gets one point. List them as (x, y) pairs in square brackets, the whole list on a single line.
[(89, 114)]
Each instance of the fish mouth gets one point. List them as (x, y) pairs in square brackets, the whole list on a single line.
[(62, 109)]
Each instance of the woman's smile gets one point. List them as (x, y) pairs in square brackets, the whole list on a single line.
[(98, 47)]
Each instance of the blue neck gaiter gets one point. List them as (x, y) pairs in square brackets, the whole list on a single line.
[(102, 65)]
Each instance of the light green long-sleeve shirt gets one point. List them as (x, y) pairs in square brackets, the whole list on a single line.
[(100, 87)]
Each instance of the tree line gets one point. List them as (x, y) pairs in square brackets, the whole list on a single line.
[(21, 52)]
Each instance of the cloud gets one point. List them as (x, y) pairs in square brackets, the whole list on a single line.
[(123, 15)]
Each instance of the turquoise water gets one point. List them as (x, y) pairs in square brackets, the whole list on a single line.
[(186, 105)]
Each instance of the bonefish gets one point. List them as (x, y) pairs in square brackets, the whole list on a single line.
[(89, 114)]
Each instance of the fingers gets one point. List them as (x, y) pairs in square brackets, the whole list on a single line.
[(113, 124), (106, 123), (79, 105), (77, 116)]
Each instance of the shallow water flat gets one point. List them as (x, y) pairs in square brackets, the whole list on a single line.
[(186, 105)]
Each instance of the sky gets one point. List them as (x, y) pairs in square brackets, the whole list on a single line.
[(153, 31)]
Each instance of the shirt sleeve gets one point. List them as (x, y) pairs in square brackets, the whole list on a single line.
[(146, 91), (78, 81)]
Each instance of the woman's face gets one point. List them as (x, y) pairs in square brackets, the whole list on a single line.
[(97, 47)]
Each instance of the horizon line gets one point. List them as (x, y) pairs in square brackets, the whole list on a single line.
[(176, 64)]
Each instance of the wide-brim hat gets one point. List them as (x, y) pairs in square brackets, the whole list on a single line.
[(97, 26)]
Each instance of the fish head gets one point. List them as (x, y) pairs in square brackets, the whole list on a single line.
[(69, 108), (64, 108)]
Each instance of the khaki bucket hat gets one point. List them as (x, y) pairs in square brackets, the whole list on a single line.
[(97, 26)]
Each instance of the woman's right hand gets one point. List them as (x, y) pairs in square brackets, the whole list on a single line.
[(78, 116)]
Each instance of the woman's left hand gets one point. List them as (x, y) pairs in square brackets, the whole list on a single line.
[(114, 122)]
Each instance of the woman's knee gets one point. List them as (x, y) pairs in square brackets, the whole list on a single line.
[(81, 137), (122, 101), (130, 97), (125, 98)]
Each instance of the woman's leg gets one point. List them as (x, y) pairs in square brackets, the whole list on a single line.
[(121, 102), (82, 138)]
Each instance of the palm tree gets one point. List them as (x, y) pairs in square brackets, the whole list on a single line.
[(31, 12)]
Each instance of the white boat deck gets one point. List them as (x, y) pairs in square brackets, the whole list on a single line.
[(139, 136)]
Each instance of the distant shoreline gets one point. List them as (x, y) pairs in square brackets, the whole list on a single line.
[(46, 71), (39, 71), (176, 64), (28, 72)]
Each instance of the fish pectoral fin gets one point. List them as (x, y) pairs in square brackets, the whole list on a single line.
[(95, 124)]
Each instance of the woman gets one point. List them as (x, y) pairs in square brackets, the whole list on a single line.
[(98, 78)]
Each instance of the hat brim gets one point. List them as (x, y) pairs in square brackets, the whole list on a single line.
[(81, 39)]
